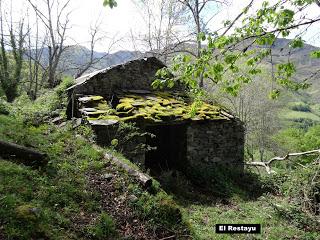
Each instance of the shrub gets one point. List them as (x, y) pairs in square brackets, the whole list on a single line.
[(303, 123), (103, 228), (4, 107), (311, 140), (62, 87), (299, 106), (303, 188), (159, 207), (130, 140), (49, 104)]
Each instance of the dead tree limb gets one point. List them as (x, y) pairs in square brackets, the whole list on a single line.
[(267, 165), (23, 154), (142, 178)]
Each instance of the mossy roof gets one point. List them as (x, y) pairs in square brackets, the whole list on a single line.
[(157, 107)]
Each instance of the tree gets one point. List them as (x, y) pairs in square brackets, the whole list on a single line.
[(197, 9), (36, 73), (257, 112), (11, 55), (162, 19), (96, 35), (249, 42), (55, 18)]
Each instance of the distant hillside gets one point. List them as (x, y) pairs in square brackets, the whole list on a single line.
[(77, 56), (74, 57), (305, 65)]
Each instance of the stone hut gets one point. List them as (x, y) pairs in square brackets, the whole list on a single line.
[(188, 136)]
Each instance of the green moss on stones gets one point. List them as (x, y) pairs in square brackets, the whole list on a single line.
[(124, 106), (155, 107)]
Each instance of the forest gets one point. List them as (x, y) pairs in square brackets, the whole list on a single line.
[(220, 123)]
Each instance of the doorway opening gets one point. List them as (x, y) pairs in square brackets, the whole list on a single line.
[(171, 146)]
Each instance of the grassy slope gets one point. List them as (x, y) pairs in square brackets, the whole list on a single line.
[(291, 115), (57, 193), (204, 217), (71, 200), (65, 200), (253, 199)]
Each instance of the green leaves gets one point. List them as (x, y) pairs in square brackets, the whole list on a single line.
[(274, 94), (164, 79), (201, 36), (296, 43), (234, 59), (284, 17), (110, 3), (286, 69), (315, 54)]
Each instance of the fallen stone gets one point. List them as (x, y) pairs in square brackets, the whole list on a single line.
[(107, 176), (76, 123), (132, 198), (102, 122), (57, 120), (62, 125)]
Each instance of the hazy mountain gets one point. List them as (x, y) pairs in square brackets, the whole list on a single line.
[(75, 57), (305, 65)]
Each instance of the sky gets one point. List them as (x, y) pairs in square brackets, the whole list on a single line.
[(119, 23)]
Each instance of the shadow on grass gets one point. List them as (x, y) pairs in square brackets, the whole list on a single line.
[(218, 187)]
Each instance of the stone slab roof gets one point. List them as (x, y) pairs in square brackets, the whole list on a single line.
[(152, 107)]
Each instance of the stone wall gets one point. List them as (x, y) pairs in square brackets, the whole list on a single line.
[(214, 143), (134, 75)]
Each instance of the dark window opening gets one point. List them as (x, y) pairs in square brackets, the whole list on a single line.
[(170, 152)]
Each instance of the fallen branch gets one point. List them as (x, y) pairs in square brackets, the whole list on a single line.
[(22, 154), (267, 165), (142, 178), (167, 238)]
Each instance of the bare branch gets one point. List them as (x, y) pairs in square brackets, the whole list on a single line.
[(267, 165), (237, 18)]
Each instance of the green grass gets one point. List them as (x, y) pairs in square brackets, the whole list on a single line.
[(300, 115), (45, 203), (316, 109), (203, 218), (292, 115), (41, 204), (275, 202)]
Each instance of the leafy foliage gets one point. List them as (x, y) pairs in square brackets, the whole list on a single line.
[(293, 139), (50, 103), (104, 227), (221, 61), (110, 3)]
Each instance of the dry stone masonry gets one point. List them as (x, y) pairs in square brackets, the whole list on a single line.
[(203, 139)]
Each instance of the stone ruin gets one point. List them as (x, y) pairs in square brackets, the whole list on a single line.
[(188, 137)]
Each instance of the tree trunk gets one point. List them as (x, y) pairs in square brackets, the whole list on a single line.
[(22, 154), (11, 94)]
